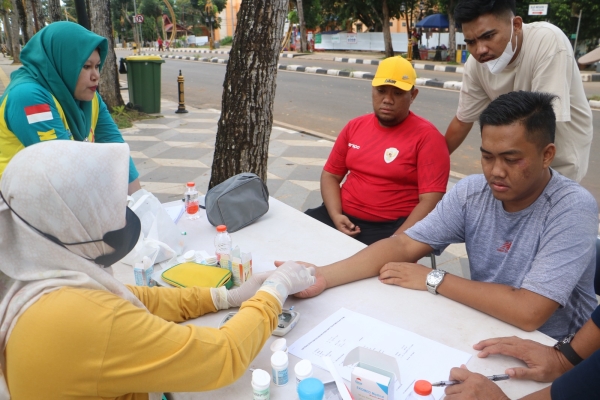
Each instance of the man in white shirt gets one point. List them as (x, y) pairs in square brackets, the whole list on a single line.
[(508, 55)]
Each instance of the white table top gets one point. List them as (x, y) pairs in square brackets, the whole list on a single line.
[(285, 233)]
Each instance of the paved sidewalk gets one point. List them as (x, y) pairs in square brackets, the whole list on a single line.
[(177, 148)]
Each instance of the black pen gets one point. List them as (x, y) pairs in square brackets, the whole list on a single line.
[(494, 378)]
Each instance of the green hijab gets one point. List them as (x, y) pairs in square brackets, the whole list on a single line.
[(54, 58)]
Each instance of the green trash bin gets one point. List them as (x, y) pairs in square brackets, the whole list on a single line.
[(143, 81)]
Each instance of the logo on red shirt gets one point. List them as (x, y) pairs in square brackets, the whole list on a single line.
[(505, 247), (354, 146)]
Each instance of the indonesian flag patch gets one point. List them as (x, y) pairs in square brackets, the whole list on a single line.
[(38, 113)]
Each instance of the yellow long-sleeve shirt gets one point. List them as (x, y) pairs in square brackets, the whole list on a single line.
[(92, 344)]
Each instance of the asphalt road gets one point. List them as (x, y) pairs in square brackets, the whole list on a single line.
[(326, 103)]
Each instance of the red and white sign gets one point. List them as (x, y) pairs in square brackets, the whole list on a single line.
[(538, 9), (138, 19), (38, 113)]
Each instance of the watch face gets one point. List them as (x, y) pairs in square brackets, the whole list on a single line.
[(435, 277)]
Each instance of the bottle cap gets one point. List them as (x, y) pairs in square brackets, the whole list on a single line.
[(303, 369), (423, 388), (279, 344), (221, 228), (189, 256), (191, 184), (261, 378), (311, 389), (279, 359)]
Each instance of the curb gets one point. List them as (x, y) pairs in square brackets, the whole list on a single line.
[(449, 85)]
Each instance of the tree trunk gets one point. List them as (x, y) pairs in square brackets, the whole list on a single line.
[(14, 28), (7, 32), (54, 10), (303, 44), (451, 32), (32, 22), (39, 15), (249, 91), (387, 36), (24, 21), (109, 76)]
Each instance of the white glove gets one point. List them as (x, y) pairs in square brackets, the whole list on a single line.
[(223, 298), (289, 278)]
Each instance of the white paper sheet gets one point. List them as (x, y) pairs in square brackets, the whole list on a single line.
[(418, 357)]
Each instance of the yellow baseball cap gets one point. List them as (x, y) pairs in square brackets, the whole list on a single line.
[(395, 71)]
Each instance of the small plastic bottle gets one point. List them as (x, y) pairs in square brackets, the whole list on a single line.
[(222, 243), (279, 368), (421, 391), (279, 344), (192, 204), (303, 370), (261, 383), (311, 389)]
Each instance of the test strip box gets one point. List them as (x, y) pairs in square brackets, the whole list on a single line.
[(375, 375)]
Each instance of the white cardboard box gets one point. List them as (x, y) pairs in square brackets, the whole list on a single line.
[(375, 375)]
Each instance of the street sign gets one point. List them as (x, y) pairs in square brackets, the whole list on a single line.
[(318, 38), (138, 19), (573, 36), (351, 38), (538, 9)]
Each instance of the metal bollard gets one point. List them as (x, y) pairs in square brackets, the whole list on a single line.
[(181, 108)]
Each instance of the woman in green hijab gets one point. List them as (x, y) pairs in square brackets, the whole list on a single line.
[(54, 94)]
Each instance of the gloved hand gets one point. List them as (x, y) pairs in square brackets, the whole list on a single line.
[(224, 299), (287, 279)]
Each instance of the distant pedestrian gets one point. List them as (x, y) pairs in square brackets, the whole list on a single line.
[(167, 45), (160, 44)]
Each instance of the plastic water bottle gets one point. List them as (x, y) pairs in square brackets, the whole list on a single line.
[(222, 243), (192, 204), (421, 391)]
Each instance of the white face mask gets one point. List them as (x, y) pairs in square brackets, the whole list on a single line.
[(497, 66)]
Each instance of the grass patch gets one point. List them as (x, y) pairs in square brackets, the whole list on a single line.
[(124, 116), (596, 98), (452, 63), (227, 40)]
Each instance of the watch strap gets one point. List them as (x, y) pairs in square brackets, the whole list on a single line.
[(569, 353)]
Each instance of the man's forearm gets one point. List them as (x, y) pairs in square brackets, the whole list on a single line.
[(427, 202), (587, 340), (519, 307), (331, 193), (456, 133), (543, 394), (367, 262)]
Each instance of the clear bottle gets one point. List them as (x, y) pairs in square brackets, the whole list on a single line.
[(222, 244), (192, 204), (421, 391), (261, 385), (279, 368)]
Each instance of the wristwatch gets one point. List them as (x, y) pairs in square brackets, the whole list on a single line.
[(564, 346), (434, 279)]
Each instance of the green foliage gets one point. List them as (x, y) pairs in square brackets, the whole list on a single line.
[(119, 110), (564, 14), (226, 41)]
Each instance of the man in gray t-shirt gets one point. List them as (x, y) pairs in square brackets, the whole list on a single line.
[(530, 233), (540, 248)]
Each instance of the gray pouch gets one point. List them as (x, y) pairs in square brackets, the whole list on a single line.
[(237, 202)]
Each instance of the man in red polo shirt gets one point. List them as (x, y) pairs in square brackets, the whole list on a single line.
[(396, 164)]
